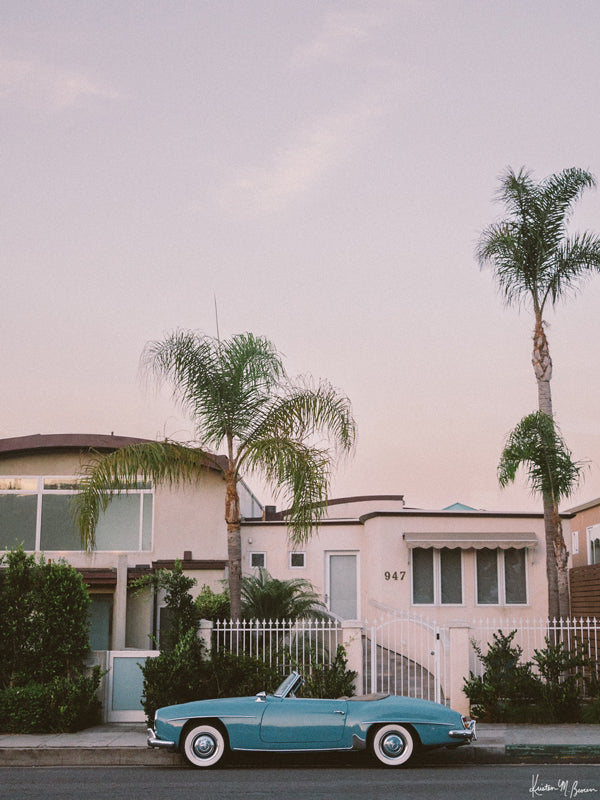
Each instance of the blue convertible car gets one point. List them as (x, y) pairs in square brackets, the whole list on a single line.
[(391, 727)]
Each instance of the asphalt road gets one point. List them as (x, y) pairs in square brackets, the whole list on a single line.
[(333, 782)]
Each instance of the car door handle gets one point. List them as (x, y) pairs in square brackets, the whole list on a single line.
[(339, 712)]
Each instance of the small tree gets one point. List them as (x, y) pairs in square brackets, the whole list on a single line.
[(181, 614)]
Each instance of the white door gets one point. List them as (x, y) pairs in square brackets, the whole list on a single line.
[(342, 584)]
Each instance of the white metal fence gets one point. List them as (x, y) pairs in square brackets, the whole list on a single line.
[(280, 643), (400, 653)]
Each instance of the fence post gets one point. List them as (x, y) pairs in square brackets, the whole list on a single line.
[(459, 666), (205, 633), (352, 641)]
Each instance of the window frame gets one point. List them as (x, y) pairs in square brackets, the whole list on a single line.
[(262, 553), (297, 553), (501, 577), (40, 491), (437, 579)]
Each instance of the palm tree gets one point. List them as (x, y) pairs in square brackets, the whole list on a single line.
[(537, 444), (264, 597), (239, 398), (536, 263)]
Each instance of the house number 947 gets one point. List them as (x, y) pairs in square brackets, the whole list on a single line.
[(394, 576)]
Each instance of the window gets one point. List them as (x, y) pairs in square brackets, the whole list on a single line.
[(501, 577), (593, 533), (437, 576), (258, 560), (297, 560), (36, 511)]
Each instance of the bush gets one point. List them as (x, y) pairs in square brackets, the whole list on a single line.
[(44, 609), (509, 691), (213, 606), (505, 684), (187, 672), (45, 685), (59, 706), (330, 680)]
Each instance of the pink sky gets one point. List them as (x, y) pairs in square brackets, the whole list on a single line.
[(324, 170)]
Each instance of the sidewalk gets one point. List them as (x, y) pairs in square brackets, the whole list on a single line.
[(124, 744)]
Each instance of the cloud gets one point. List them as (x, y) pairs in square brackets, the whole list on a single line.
[(302, 163), (39, 85)]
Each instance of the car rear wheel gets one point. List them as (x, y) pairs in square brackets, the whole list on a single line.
[(393, 745), (204, 745)]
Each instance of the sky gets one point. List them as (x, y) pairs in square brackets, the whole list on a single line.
[(317, 171)]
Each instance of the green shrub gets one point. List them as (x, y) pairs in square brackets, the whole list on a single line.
[(509, 691), (330, 680), (44, 610), (590, 712), (505, 684), (212, 605), (61, 705), (560, 691)]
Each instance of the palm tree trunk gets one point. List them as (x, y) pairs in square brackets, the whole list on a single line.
[(561, 556), (542, 366), (234, 542), (556, 550)]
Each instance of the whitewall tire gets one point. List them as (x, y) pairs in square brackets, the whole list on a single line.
[(393, 745), (204, 745)]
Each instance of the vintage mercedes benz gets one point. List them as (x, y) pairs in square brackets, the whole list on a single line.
[(392, 727)]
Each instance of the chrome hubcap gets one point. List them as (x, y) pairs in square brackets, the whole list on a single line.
[(204, 746), (392, 745)]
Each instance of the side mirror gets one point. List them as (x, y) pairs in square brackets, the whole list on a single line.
[(260, 697)]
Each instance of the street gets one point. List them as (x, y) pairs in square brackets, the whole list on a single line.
[(335, 781)]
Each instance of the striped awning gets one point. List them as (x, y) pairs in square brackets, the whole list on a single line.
[(476, 541)]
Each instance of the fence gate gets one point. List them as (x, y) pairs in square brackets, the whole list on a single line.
[(405, 654)]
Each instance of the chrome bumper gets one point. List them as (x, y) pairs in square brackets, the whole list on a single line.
[(468, 734), (153, 741)]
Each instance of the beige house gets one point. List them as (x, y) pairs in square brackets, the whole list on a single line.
[(372, 553), (368, 553), (141, 531)]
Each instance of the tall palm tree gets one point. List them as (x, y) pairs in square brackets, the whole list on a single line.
[(536, 263), (536, 444), (239, 397)]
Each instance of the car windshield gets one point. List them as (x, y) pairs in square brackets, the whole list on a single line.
[(288, 684)]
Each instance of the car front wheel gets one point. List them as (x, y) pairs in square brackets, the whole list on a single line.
[(393, 745), (204, 746)]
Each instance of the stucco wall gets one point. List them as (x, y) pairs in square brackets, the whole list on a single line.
[(384, 558)]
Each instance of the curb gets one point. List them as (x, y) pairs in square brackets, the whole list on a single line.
[(146, 757)]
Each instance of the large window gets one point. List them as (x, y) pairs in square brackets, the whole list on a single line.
[(35, 512), (501, 577), (437, 576)]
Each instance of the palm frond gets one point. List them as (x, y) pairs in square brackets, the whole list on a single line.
[(108, 475), (221, 384), (537, 445), (527, 250), (298, 473)]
